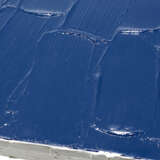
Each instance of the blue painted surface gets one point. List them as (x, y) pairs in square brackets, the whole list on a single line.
[(81, 73)]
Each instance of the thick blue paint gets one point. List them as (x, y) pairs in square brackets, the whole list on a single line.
[(68, 75)]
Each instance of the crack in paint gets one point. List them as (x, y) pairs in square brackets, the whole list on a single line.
[(96, 40), (39, 13), (115, 131)]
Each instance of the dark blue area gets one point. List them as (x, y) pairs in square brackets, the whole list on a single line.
[(81, 73)]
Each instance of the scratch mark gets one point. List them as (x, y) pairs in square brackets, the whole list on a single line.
[(127, 8), (20, 83), (102, 55), (157, 76), (119, 18), (157, 66), (69, 11), (90, 60), (64, 14), (97, 78), (12, 16), (3, 3)]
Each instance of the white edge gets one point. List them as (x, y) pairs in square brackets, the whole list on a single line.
[(35, 151)]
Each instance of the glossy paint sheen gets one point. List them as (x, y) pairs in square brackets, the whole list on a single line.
[(81, 73)]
